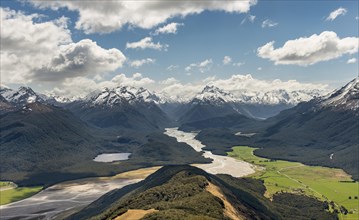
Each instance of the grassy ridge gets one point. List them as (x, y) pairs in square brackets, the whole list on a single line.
[(326, 184)]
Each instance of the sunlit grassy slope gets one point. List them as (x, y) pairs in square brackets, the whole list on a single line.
[(327, 184), (8, 194)]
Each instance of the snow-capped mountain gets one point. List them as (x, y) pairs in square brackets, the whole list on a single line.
[(279, 96), (346, 98), (213, 95), (115, 96), (21, 96)]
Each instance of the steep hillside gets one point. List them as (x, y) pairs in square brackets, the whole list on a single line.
[(5, 106), (211, 102), (324, 131), (185, 192), (44, 144), (123, 107), (39, 138)]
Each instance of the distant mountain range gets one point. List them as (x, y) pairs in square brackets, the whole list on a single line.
[(317, 129), (207, 103), (322, 131), (309, 132)]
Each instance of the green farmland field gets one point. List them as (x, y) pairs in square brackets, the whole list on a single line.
[(326, 184), (15, 194)]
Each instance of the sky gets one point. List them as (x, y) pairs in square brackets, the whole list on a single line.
[(71, 48)]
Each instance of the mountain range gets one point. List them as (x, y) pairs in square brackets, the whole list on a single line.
[(323, 131), (309, 132)]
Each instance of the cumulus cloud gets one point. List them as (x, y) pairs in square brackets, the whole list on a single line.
[(170, 28), (201, 66), (352, 60), (269, 23), (169, 81), (146, 43), (139, 63), (25, 44), (334, 14), (310, 50), (239, 84), (81, 86), (173, 88), (226, 60), (35, 50), (108, 16), (84, 58)]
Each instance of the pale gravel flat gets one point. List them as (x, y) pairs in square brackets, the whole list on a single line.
[(220, 164)]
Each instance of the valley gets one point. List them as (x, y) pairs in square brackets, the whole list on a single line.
[(70, 195), (116, 130), (179, 110), (219, 164), (326, 184)]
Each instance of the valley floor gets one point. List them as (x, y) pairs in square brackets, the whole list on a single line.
[(220, 164), (327, 184), (69, 195)]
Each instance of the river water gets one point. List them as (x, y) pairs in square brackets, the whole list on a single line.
[(79, 193), (220, 164)]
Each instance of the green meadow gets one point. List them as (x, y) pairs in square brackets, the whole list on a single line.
[(8, 195), (327, 184)]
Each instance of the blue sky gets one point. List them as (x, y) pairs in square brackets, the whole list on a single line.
[(211, 35)]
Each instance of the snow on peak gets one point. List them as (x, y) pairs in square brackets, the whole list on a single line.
[(278, 96), (119, 95), (214, 95), (21, 96), (345, 98)]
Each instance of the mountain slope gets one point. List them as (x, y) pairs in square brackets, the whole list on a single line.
[(5, 106), (21, 96), (209, 103), (124, 107), (42, 138), (324, 131), (185, 192)]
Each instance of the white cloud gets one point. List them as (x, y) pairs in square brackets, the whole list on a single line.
[(26, 44), (169, 81), (352, 60), (209, 79), (269, 23), (334, 14), (226, 60), (259, 68), (35, 50), (84, 58), (108, 16), (250, 18), (237, 84), (357, 18), (146, 43), (81, 86), (172, 67), (139, 63), (202, 66), (170, 28), (238, 64), (310, 50)]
